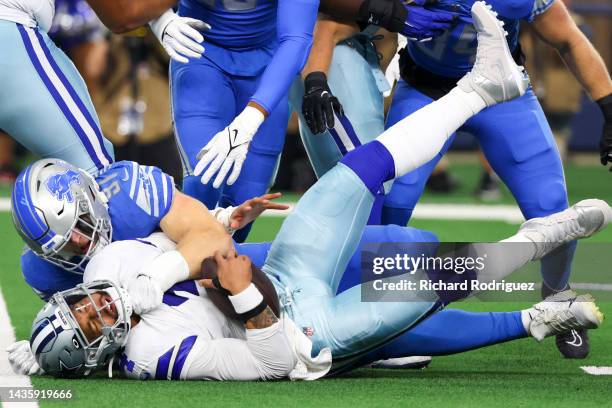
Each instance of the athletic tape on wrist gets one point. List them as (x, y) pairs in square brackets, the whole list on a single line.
[(247, 300)]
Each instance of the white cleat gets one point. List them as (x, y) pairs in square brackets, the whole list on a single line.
[(581, 220), (495, 76), (562, 312)]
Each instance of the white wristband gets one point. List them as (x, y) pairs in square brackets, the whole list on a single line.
[(223, 215), (246, 300)]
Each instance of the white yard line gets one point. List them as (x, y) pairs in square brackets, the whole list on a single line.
[(597, 370), (7, 377), (476, 212)]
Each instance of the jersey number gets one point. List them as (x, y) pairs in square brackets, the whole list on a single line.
[(233, 5)]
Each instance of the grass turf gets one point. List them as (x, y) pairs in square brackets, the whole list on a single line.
[(519, 373)]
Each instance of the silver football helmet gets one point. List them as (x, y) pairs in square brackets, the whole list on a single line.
[(60, 345), (52, 200)]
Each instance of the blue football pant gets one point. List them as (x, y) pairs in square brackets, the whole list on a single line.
[(45, 104), (519, 145), (205, 99)]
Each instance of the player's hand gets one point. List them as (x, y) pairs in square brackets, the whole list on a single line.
[(145, 293), (605, 143), (318, 104), (22, 359), (229, 148), (233, 273), (423, 24), (180, 36), (248, 211)]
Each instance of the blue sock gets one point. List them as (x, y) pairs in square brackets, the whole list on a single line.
[(396, 216), (454, 331), (372, 163), (556, 267), (376, 213)]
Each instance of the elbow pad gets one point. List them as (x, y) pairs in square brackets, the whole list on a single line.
[(388, 14)]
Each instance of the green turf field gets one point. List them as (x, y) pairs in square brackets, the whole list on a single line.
[(520, 373)]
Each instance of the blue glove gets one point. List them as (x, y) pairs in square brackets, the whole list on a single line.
[(423, 24)]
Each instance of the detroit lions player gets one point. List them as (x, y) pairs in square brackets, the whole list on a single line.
[(328, 220), (531, 156), (515, 137), (254, 51)]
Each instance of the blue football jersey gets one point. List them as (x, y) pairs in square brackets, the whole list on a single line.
[(453, 53), (139, 197), (236, 24)]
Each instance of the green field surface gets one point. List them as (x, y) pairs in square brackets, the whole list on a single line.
[(515, 374)]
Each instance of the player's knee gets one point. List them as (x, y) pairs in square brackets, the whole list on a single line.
[(551, 198)]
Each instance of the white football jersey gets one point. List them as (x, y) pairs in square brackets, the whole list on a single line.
[(28, 12), (187, 337)]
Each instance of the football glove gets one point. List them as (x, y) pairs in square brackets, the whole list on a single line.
[(605, 143), (145, 293), (22, 359), (229, 148), (180, 36), (318, 104)]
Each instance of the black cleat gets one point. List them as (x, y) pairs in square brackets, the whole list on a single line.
[(574, 344)]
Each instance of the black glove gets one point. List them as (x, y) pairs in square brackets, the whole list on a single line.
[(605, 143), (318, 104)]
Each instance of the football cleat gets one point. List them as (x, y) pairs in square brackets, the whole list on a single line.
[(581, 220), (412, 362), (495, 76), (563, 312), (574, 344)]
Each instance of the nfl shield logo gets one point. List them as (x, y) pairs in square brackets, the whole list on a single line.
[(308, 331)]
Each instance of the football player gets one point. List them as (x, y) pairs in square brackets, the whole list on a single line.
[(239, 88), (328, 220), (529, 164)]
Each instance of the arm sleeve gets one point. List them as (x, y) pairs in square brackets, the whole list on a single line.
[(265, 354), (295, 24)]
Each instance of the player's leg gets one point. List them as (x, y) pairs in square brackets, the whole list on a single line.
[(352, 79), (203, 103), (46, 106), (259, 168), (520, 146), (406, 190)]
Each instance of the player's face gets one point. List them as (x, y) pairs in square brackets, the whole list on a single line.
[(87, 317)]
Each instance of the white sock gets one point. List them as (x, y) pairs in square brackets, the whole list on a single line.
[(416, 139), (526, 318)]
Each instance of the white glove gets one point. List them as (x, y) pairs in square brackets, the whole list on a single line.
[(229, 148), (145, 293), (22, 359), (180, 36)]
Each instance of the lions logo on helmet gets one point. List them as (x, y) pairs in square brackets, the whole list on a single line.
[(59, 185)]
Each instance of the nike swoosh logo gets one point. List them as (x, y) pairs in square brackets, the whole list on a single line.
[(577, 339)]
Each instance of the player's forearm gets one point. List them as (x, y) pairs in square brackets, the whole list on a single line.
[(295, 25), (587, 66), (125, 15), (327, 34)]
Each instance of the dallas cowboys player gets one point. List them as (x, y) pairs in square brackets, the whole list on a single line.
[(41, 91), (328, 220)]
